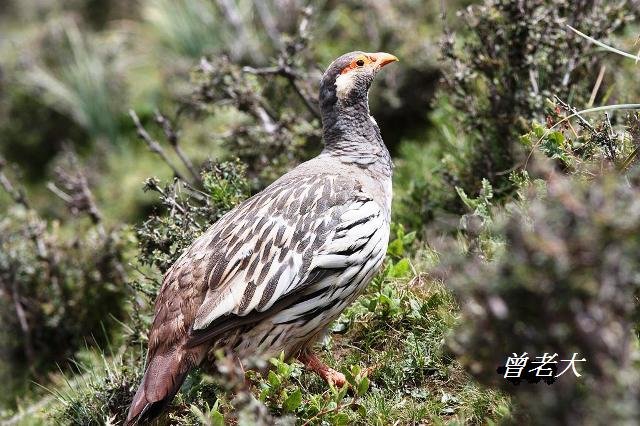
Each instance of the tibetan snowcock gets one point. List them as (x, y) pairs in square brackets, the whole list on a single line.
[(271, 274)]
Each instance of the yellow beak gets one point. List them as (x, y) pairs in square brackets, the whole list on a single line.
[(382, 58)]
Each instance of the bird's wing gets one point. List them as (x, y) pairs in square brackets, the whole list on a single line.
[(263, 254)]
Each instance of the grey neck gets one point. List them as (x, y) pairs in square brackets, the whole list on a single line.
[(352, 136)]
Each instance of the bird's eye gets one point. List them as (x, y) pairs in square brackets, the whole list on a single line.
[(360, 62)]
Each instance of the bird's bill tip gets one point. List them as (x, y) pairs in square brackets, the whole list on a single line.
[(383, 58)]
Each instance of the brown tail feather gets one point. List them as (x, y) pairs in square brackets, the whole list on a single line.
[(162, 379)]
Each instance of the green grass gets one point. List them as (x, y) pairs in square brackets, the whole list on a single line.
[(82, 88)]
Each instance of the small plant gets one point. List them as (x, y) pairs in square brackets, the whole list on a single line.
[(98, 392), (278, 123), (283, 394), (579, 145), (190, 28), (208, 415), (188, 211)]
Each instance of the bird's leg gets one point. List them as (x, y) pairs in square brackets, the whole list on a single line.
[(315, 364)]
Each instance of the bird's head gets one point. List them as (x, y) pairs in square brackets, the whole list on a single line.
[(347, 80)]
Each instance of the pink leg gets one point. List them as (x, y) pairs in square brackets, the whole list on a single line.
[(315, 364)]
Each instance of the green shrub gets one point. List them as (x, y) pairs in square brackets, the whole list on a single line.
[(567, 282), (513, 58), (579, 146), (518, 55), (188, 212), (61, 285)]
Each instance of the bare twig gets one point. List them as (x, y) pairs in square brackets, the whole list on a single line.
[(264, 70), (16, 194), (10, 285), (196, 193), (172, 137), (575, 113), (59, 193), (19, 197), (85, 193), (292, 77), (24, 324), (608, 139), (571, 65), (152, 185), (153, 145), (285, 61), (266, 118), (75, 191), (34, 231), (534, 81), (311, 105), (596, 87)]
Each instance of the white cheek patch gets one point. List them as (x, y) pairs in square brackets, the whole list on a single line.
[(344, 84)]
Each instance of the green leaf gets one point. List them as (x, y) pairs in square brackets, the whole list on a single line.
[(197, 412), (466, 200), (293, 401), (350, 376), (264, 393), (526, 140), (341, 419), (401, 269), (342, 392), (538, 130), (363, 386), (373, 304), (409, 238), (361, 410), (395, 248), (217, 419), (274, 380), (553, 146)]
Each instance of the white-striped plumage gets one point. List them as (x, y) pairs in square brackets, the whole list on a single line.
[(270, 275), (345, 224), (291, 328)]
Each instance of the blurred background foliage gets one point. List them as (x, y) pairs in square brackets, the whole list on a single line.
[(128, 127)]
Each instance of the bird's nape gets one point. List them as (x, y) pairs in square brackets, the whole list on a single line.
[(348, 129), (351, 75)]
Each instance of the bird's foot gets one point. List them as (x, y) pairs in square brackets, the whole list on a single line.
[(328, 374)]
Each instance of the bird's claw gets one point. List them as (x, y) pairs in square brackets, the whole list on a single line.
[(328, 374)]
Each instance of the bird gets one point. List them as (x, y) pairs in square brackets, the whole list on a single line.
[(270, 275)]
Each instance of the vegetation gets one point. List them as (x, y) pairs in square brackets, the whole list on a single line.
[(130, 127)]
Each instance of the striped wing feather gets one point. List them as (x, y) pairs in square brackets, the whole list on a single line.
[(269, 255)]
